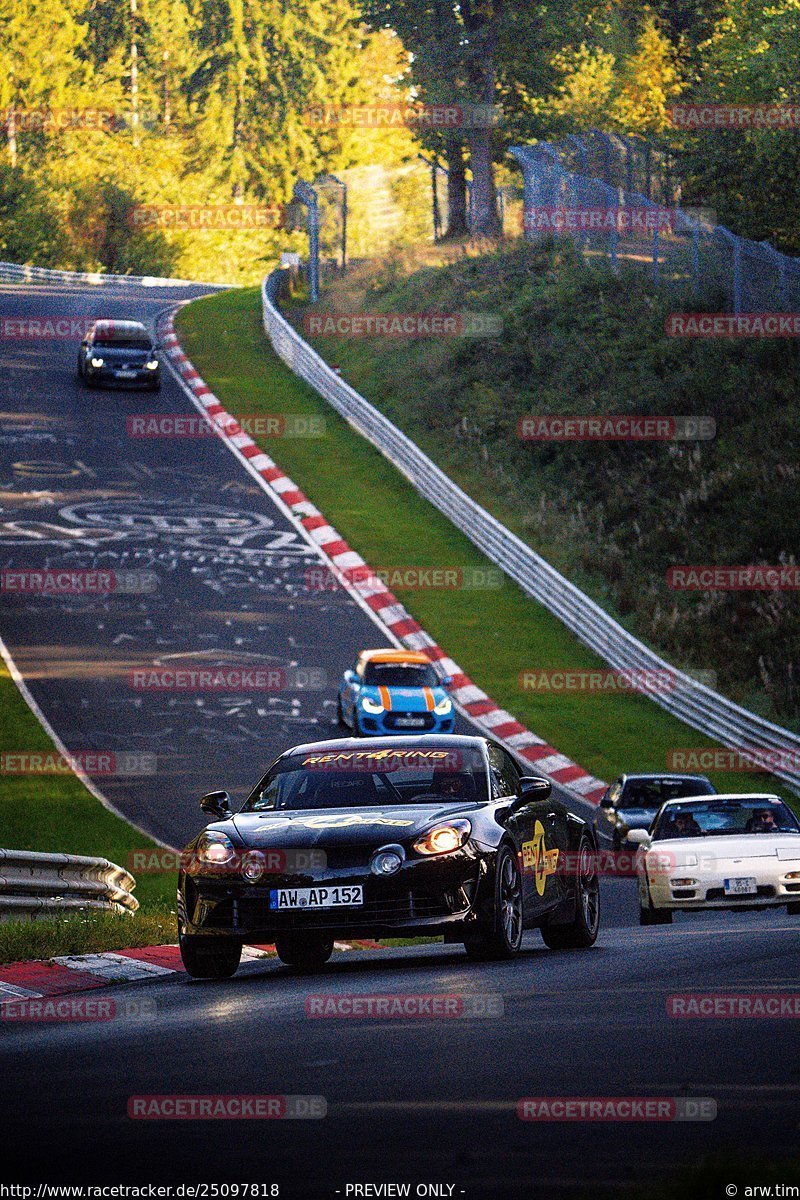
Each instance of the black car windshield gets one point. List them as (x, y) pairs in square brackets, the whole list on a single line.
[(106, 342), (360, 778), (748, 814), (400, 675), (652, 793)]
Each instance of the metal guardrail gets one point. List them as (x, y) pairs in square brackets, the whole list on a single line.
[(21, 273), (688, 699), (40, 885)]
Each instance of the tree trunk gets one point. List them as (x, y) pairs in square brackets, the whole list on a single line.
[(11, 135), (485, 219), (457, 226)]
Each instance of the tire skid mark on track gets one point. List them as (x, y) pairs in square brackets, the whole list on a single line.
[(384, 608)]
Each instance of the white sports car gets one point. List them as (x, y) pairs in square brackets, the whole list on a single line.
[(728, 851)]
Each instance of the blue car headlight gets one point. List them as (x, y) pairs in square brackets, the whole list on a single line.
[(371, 706)]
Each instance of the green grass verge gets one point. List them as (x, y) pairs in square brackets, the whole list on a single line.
[(55, 813), (493, 635), (86, 933)]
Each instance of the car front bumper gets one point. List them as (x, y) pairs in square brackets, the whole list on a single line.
[(428, 897), (392, 722), (136, 377), (709, 891)]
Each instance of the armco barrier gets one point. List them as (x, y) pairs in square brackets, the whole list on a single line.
[(22, 274), (41, 885), (691, 701)]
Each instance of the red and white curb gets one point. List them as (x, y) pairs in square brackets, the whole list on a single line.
[(42, 979), (386, 608)]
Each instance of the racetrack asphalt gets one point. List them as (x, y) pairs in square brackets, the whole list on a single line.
[(419, 1100)]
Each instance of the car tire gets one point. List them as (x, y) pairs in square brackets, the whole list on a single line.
[(210, 958), (581, 932), (304, 951), (654, 916), (793, 908), (340, 713), (500, 936)]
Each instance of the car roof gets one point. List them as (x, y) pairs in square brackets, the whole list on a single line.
[(112, 326), (723, 796), (395, 656), (669, 775), (445, 741)]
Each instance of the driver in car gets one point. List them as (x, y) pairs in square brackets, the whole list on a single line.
[(763, 821), (686, 826)]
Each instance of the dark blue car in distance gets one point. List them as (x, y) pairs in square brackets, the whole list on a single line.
[(632, 802), (122, 353)]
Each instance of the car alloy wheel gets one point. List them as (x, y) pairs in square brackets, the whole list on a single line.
[(501, 935), (581, 932)]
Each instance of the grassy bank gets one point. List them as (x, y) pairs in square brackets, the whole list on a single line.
[(55, 813), (495, 634)]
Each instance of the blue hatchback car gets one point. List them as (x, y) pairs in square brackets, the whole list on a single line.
[(395, 691)]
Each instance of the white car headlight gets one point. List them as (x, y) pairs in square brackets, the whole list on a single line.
[(371, 706), (215, 848), (444, 707), (97, 362), (444, 838), (152, 365)]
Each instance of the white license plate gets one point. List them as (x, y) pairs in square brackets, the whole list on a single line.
[(410, 722), (741, 887), (125, 374), (316, 897)]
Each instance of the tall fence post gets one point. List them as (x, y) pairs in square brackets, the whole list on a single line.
[(304, 193)]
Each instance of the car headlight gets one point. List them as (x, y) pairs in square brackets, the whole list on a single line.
[(444, 838), (371, 706), (215, 848), (444, 707), (97, 362), (387, 860), (152, 365), (254, 864), (792, 875)]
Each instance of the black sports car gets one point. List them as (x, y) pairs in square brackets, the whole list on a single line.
[(119, 352), (397, 836)]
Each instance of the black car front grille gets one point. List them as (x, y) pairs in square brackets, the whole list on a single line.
[(250, 912), (720, 894)]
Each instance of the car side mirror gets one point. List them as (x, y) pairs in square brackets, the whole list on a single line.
[(639, 837), (85, 342), (533, 787), (446, 681), (606, 802), (217, 805)]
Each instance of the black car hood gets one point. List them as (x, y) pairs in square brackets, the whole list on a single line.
[(307, 828)]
